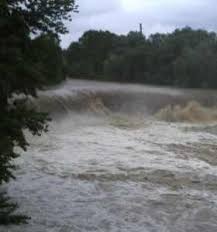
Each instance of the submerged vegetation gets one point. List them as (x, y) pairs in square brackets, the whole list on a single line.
[(183, 58)]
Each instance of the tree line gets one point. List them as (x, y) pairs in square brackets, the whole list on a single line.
[(183, 58)]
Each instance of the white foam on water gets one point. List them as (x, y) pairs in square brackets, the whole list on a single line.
[(112, 171)]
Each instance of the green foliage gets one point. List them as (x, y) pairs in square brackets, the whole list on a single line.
[(87, 56), (7, 209), (48, 58), (185, 58), (42, 15), (25, 66)]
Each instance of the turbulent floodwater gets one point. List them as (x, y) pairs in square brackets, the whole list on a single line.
[(121, 158)]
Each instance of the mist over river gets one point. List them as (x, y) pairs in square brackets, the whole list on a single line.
[(120, 158)]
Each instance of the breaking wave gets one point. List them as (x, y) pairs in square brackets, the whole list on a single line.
[(192, 112), (166, 104), (109, 162)]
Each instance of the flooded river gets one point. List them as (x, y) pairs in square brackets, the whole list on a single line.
[(121, 158)]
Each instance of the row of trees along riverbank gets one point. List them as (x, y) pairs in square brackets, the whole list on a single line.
[(183, 58)]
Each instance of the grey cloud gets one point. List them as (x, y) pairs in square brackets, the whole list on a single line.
[(90, 8), (156, 16)]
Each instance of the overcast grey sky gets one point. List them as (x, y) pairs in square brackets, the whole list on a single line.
[(122, 16)]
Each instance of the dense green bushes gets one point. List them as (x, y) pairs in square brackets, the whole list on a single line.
[(47, 56), (185, 58), (26, 64)]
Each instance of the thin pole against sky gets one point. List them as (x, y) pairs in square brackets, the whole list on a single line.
[(141, 28)]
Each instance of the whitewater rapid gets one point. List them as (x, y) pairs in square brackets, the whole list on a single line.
[(120, 158)]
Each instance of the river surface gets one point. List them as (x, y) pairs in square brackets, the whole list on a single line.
[(120, 158)]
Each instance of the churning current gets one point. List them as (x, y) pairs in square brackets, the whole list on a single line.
[(120, 158)]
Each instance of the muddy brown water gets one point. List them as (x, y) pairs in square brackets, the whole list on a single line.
[(121, 158)]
